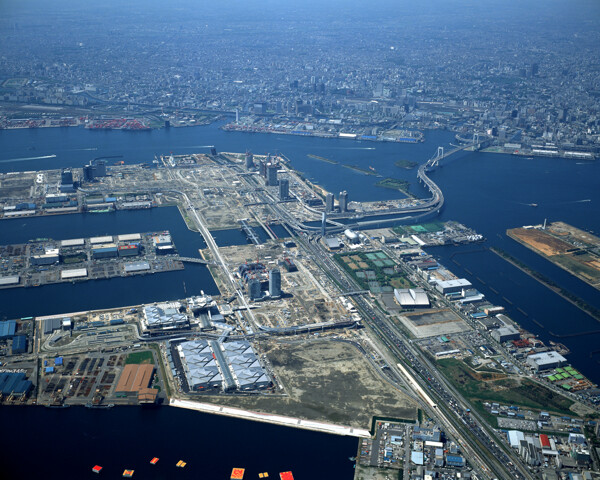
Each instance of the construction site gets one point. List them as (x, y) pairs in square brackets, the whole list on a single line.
[(572, 249)]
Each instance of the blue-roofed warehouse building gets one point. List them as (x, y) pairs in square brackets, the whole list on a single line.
[(19, 344), (14, 383), (7, 329), (455, 461)]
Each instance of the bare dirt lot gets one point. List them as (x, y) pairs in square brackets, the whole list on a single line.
[(541, 241), (327, 381)]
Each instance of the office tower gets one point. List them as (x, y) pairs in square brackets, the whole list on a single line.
[(272, 175), (275, 283), (343, 201), (249, 161), (329, 202), (284, 189)]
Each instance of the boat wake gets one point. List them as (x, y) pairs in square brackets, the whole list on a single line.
[(24, 159)]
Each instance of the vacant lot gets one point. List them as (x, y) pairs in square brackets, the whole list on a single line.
[(327, 381), (491, 387), (139, 357), (540, 240)]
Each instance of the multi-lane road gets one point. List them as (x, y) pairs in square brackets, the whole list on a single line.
[(482, 446)]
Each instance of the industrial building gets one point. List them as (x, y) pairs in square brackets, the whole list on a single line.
[(411, 297), (243, 362), (48, 258), (74, 242), (135, 267), (506, 334), (108, 250), (7, 329), (14, 383), (130, 237), (100, 240), (73, 273), (129, 250), (289, 265), (332, 243), (19, 344), (453, 286), (546, 360), (50, 325), (228, 366), (9, 280), (163, 316), (135, 382), (163, 244), (56, 198), (351, 236), (200, 365)]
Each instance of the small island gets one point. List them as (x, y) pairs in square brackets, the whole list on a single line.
[(394, 183), (406, 164)]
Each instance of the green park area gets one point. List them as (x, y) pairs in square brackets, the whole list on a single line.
[(430, 227), (139, 358), (406, 164), (394, 184), (373, 271), (494, 386)]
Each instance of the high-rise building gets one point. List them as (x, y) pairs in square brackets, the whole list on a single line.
[(284, 189), (275, 283), (66, 177), (100, 168), (89, 173), (324, 224), (272, 175), (329, 202), (254, 288), (263, 169), (343, 201), (249, 161)]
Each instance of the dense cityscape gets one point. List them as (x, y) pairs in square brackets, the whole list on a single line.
[(377, 67)]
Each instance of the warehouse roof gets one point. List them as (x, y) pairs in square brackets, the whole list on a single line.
[(7, 328), (163, 315), (73, 273), (9, 280), (546, 358), (137, 266), (129, 237), (14, 383), (416, 297), (106, 239), (246, 368), (332, 242), (135, 378), (74, 242), (458, 282), (199, 364)]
